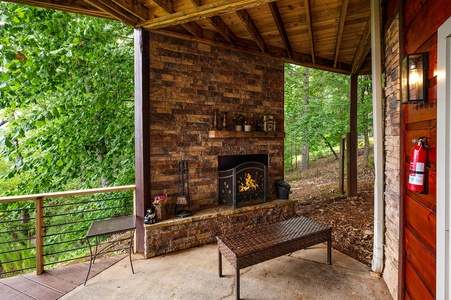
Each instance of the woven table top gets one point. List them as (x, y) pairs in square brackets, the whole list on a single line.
[(272, 235)]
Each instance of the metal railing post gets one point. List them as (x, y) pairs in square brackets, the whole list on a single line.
[(39, 235)]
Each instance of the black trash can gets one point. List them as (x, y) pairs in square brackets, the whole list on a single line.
[(283, 189)]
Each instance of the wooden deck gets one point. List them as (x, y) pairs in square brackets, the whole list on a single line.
[(54, 283)]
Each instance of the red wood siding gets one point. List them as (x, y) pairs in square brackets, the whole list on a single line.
[(416, 288), (421, 20)]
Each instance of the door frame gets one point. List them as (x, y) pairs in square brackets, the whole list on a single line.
[(443, 268)]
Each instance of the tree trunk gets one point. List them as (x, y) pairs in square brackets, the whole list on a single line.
[(366, 134), (305, 147), (366, 156), (330, 146)]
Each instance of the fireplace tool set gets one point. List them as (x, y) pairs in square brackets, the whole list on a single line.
[(183, 187)]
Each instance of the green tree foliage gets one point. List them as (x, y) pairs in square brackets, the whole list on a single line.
[(66, 122), (327, 115), (66, 93)]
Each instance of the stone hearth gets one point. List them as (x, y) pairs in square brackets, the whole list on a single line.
[(203, 227)]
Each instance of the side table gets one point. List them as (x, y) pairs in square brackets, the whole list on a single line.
[(107, 227)]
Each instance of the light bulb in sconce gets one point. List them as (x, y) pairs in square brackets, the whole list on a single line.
[(414, 75)]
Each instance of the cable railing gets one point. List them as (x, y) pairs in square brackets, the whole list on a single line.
[(44, 230)]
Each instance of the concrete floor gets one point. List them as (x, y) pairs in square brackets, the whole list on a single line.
[(193, 274)]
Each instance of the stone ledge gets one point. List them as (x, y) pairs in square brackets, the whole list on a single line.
[(222, 210), (203, 227)]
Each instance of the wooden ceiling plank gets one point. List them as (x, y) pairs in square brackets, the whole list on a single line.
[(279, 23), (341, 25), (201, 12), (166, 5), (219, 25), (223, 29), (308, 14), (247, 20), (134, 7), (362, 50), (76, 6), (116, 11), (192, 27)]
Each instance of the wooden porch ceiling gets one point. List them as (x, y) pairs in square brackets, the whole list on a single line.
[(331, 35)]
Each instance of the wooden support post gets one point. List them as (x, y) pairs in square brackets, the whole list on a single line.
[(341, 187), (142, 132), (348, 165), (353, 142), (39, 236)]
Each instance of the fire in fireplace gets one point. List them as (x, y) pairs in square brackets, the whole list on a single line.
[(242, 179)]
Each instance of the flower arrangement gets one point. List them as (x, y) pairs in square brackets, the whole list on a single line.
[(238, 119), (160, 200)]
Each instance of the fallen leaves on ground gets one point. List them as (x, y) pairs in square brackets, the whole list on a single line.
[(352, 218)]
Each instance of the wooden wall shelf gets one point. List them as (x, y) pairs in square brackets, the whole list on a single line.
[(218, 134)]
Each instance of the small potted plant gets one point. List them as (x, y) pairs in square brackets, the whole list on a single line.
[(247, 125), (238, 121)]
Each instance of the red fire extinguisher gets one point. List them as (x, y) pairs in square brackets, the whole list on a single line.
[(417, 175)]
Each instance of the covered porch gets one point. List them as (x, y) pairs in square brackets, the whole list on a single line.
[(203, 29)]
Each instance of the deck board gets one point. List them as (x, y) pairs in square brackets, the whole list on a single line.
[(53, 283), (12, 294), (31, 288)]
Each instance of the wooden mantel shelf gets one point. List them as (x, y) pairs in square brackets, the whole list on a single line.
[(219, 134)]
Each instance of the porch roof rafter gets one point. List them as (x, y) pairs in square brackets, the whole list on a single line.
[(331, 35)]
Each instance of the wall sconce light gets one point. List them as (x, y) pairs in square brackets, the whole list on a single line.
[(414, 77)]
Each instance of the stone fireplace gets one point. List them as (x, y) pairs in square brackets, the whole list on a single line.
[(242, 179), (189, 82)]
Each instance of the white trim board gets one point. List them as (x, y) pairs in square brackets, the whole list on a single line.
[(443, 276)]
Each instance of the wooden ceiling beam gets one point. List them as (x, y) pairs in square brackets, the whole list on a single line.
[(116, 11), (167, 6), (341, 25), (134, 7), (363, 49), (308, 14), (77, 6), (279, 23), (219, 25), (247, 20), (201, 12), (196, 2), (223, 29)]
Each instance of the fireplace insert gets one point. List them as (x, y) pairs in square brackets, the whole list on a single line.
[(244, 184)]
